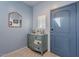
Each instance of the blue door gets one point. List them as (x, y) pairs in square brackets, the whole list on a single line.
[(63, 31)]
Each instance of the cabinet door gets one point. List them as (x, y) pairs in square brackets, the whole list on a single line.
[(63, 31)]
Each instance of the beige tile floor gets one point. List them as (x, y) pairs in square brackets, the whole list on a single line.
[(26, 52)]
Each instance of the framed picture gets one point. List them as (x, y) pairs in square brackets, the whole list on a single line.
[(14, 20)]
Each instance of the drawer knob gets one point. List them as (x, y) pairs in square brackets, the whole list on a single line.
[(38, 42), (38, 47)]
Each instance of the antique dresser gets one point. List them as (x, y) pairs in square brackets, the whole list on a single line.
[(37, 42)]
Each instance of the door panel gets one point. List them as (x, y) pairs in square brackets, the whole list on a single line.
[(61, 21), (63, 35), (78, 29)]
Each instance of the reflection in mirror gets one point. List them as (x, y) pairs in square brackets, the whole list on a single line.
[(42, 22)]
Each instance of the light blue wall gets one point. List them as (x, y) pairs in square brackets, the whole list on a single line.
[(44, 9), (14, 38)]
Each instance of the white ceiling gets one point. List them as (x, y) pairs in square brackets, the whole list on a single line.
[(32, 3)]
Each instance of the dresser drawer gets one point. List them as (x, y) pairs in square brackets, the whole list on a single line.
[(37, 48), (39, 37), (37, 42)]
